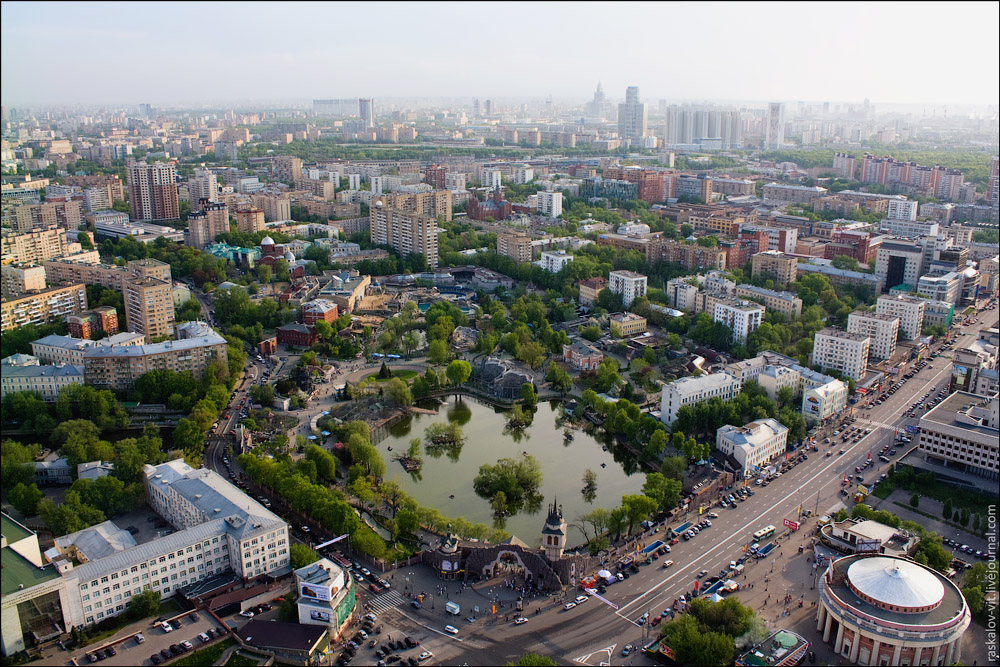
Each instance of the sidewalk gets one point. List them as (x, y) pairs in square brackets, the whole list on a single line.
[(932, 507)]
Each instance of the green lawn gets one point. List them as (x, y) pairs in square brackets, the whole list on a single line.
[(206, 656), (402, 375), (237, 660)]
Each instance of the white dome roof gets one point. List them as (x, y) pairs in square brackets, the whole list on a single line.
[(893, 581), (289, 256), (267, 240)]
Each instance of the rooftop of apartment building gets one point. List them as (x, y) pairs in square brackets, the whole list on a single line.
[(211, 338), (840, 333)]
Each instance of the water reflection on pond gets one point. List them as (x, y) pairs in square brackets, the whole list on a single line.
[(450, 471)]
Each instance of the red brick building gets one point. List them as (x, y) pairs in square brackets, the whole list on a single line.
[(434, 176), (495, 207), (853, 244), (267, 346), (319, 309), (299, 335), (90, 322)]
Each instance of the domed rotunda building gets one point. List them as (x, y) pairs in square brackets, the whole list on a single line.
[(887, 610)]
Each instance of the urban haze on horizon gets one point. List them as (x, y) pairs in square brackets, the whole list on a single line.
[(428, 55)]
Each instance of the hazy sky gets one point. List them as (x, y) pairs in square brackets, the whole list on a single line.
[(930, 53)]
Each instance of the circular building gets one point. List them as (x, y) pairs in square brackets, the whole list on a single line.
[(887, 610)]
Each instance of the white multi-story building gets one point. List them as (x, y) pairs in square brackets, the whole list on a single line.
[(492, 178), (204, 185), (681, 294), (946, 288), (962, 434), (824, 401), (842, 351), (454, 181), (629, 284), (45, 380), (909, 228), (901, 209), (90, 575), (549, 203), (882, 329), (909, 310), (554, 261), (742, 317), (55, 349), (691, 390), (752, 445), (522, 174)]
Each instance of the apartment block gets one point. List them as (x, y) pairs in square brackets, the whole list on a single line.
[(324, 189), (691, 390), (149, 307), (742, 317), (516, 245), (47, 381), (753, 445), (881, 329), (17, 280), (781, 239), (112, 182), (690, 256), (947, 287), (288, 169), (54, 349), (103, 319), (67, 214), (204, 185), (842, 351), (36, 246), (786, 303), (205, 224), (549, 203), (554, 261), (250, 220), (628, 284), (276, 207), (434, 204), (681, 294), (777, 264), (406, 232), (590, 288), (799, 194), (454, 181), (118, 367), (153, 191), (44, 306)]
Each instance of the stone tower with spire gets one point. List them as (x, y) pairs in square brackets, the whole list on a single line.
[(554, 532)]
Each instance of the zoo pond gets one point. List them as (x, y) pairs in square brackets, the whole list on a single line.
[(445, 479)]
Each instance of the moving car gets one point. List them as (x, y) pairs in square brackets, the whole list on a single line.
[(451, 629)]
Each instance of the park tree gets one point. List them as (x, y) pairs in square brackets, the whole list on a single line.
[(397, 391), (437, 351), (637, 508), (528, 395), (301, 555), (458, 372), (946, 512), (25, 499)]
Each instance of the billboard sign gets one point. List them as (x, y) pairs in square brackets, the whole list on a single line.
[(324, 592), (868, 546), (794, 525), (319, 616)]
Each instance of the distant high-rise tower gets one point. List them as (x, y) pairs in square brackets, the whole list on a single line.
[(366, 108), (775, 129), (488, 108), (476, 110), (632, 118), (152, 191), (598, 106)]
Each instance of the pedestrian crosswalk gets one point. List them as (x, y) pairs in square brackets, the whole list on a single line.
[(383, 602), (891, 427)]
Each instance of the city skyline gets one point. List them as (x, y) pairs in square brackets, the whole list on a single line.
[(319, 60)]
